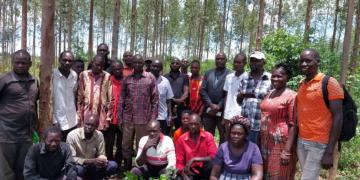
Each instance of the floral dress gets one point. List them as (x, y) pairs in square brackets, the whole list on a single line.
[(277, 115)]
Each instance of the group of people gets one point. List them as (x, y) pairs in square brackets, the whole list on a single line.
[(263, 126)]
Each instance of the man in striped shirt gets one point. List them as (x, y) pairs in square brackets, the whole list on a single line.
[(156, 153)]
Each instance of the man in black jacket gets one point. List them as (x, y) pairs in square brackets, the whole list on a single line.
[(213, 95)]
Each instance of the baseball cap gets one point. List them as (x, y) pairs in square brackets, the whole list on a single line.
[(258, 55)]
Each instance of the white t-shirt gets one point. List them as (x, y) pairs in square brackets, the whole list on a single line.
[(231, 86), (165, 93)]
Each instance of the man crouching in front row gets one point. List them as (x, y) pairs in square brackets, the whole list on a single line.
[(88, 150)]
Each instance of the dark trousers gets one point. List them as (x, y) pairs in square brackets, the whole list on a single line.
[(12, 157), (92, 172), (165, 129), (113, 136), (211, 122), (203, 172), (149, 171), (65, 133)]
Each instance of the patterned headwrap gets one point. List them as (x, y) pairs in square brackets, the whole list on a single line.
[(242, 121)]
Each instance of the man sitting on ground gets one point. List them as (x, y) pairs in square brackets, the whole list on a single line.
[(156, 153), (87, 148), (185, 115), (194, 151), (50, 159)]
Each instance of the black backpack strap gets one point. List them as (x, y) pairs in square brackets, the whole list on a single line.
[(324, 89)]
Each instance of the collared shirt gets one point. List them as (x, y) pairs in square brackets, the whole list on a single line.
[(17, 107), (178, 133), (231, 86), (314, 117), (39, 163), (116, 92), (251, 106), (163, 154), (186, 149), (195, 102), (63, 99), (127, 71), (165, 94), (139, 100), (177, 82), (83, 149), (94, 97)]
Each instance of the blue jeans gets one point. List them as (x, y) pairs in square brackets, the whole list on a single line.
[(310, 155), (97, 173), (253, 136)]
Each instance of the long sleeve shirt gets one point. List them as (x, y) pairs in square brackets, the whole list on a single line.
[(139, 100), (42, 164), (95, 97), (83, 149)]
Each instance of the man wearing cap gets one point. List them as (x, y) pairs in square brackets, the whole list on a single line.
[(255, 85)]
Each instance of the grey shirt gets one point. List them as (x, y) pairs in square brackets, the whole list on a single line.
[(17, 108)]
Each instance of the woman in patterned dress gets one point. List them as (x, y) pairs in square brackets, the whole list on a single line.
[(277, 122)]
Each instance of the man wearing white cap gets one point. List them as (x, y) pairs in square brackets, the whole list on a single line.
[(255, 85)]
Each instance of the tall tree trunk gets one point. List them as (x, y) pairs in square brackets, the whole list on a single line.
[(326, 21), (279, 14), (59, 31), (202, 32), (90, 48), (155, 27), (308, 20), (230, 38), (146, 26), (104, 22), (34, 34), (127, 24), (70, 24), (47, 58), (23, 24), (260, 25), (3, 43), (64, 44), (243, 26), (222, 28), (333, 39), (272, 15), (115, 34), (133, 25), (355, 49), (13, 19), (347, 42), (161, 27)]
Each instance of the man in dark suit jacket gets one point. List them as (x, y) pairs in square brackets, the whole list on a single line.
[(213, 95)]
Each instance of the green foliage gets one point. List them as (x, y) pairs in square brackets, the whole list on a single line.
[(79, 52), (281, 46), (349, 164)]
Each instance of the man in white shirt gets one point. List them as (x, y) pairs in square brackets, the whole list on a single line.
[(231, 87), (165, 96), (64, 86), (156, 153)]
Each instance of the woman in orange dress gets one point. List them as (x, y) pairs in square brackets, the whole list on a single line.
[(277, 122)]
